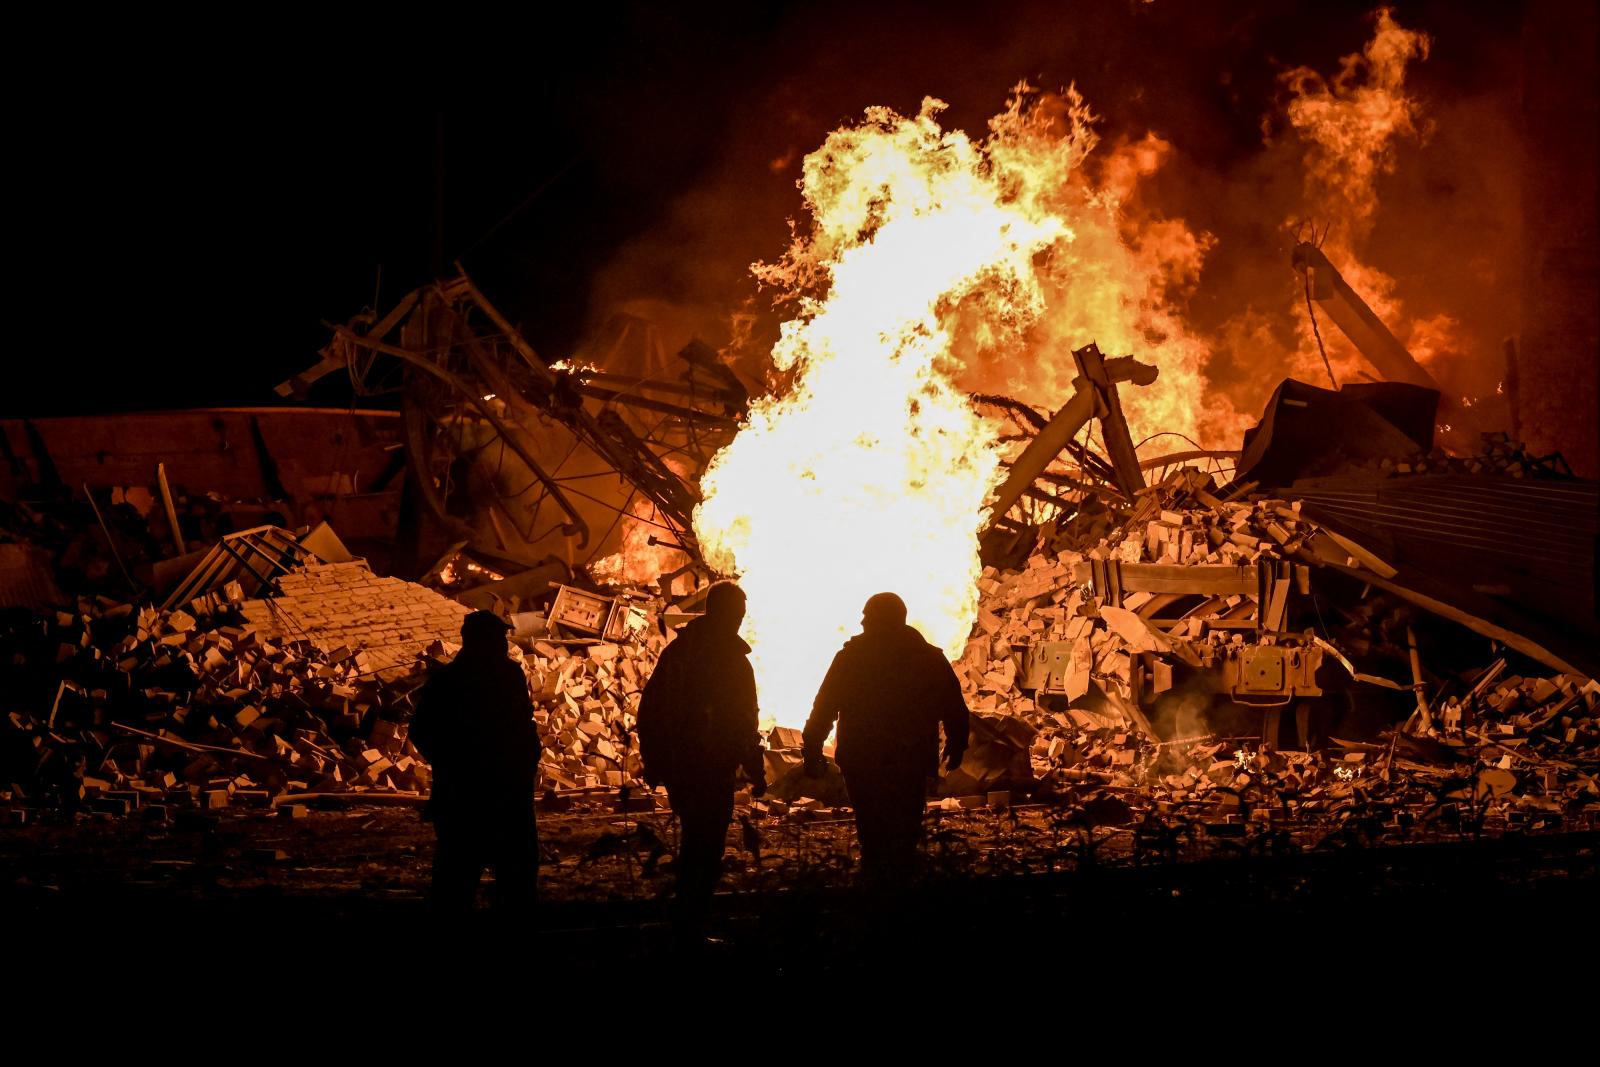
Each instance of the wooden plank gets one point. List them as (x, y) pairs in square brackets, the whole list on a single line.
[(1277, 605), (1361, 555), (354, 799), (207, 571), (1205, 579)]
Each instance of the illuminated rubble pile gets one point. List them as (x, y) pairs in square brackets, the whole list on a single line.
[(302, 698), (1518, 748), (587, 697), (224, 702), (297, 699)]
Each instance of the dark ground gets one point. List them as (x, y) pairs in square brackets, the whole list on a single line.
[(348, 888)]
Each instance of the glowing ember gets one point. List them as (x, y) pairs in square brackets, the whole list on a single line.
[(569, 366), (870, 472), (461, 569)]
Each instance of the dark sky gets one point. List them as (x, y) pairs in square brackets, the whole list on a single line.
[(195, 199)]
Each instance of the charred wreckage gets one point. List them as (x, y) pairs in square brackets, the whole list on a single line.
[(1338, 628)]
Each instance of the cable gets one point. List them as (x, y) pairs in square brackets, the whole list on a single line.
[(1315, 332), (1169, 433), (621, 512), (613, 507)]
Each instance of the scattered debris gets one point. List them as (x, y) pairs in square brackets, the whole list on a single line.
[(1242, 658)]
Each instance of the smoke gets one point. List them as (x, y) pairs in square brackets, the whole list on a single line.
[(1220, 134)]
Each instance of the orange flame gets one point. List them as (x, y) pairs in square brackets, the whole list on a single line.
[(934, 264), (1120, 283), (1350, 127), (641, 559), (870, 472)]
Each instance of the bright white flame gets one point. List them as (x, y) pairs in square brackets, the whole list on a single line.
[(573, 366), (869, 474)]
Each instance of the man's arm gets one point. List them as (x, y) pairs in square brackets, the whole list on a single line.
[(652, 723), (824, 710), (754, 758), (953, 713), (423, 732)]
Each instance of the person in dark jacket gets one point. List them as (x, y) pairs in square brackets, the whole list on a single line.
[(697, 726), (890, 691), (474, 724)]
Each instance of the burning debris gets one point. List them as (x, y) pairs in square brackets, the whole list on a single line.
[(1145, 661), (1345, 630)]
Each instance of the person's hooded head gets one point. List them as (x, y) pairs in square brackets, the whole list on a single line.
[(884, 613), (725, 607), (484, 631)]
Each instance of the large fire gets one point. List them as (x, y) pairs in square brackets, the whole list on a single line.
[(870, 472), (932, 265)]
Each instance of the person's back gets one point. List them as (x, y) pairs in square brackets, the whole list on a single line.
[(697, 725), (474, 725), (889, 690), (697, 716)]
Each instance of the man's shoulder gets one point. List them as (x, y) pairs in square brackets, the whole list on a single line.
[(675, 650), (443, 674)]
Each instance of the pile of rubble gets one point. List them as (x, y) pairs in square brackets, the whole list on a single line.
[(1497, 455), (285, 700), (117, 709), (1091, 671), (1073, 646), (587, 697)]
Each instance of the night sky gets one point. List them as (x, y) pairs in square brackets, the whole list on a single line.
[(196, 199)]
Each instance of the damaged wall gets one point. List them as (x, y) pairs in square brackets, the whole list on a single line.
[(328, 463)]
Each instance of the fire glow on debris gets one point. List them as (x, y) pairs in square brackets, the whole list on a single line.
[(870, 472), (934, 265)]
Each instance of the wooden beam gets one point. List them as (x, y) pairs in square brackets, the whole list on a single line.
[(1062, 428), (1113, 425), (1203, 580), (172, 511), (652, 404)]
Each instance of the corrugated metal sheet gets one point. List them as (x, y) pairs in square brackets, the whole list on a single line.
[(1535, 527), (27, 577), (1517, 552)]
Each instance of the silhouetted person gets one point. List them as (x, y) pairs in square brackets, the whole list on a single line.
[(474, 724), (697, 727), (890, 691)]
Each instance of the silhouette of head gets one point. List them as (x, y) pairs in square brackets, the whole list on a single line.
[(884, 611), (484, 630), (725, 606)]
